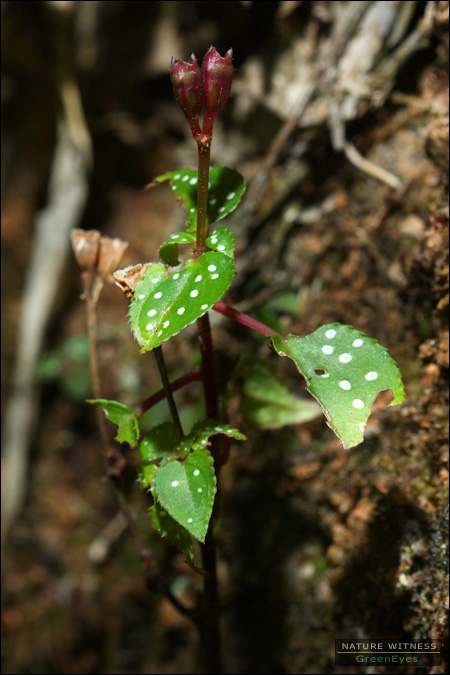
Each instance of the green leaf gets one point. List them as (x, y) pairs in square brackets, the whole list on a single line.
[(226, 187), (168, 252), (123, 416), (147, 475), (163, 304), (169, 529), (201, 432), (159, 442), (265, 402), (344, 370), (186, 489)]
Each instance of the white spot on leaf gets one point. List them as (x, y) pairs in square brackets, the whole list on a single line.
[(345, 384), (151, 312), (181, 311), (358, 342), (328, 349), (174, 483), (371, 376), (158, 295), (357, 403), (193, 294), (330, 333), (345, 358)]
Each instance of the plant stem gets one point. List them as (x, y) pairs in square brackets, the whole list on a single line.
[(204, 149), (194, 376), (211, 607), (114, 460), (115, 463), (244, 319), (211, 610), (168, 391)]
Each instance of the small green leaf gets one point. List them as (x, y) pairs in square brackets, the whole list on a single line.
[(168, 252), (201, 432), (147, 475), (163, 304), (265, 402), (226, 188), (169, 529), (344, 370), (159, 442), (123, 416), (186, 489)]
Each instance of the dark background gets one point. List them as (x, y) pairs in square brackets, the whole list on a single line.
[(315, 542)]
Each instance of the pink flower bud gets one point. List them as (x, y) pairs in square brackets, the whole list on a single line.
[(187, 86), (217, 75)]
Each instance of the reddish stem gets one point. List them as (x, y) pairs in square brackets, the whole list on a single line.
[(244, 319), (194, 376)]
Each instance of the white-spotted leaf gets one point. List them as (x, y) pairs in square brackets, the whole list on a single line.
[(201, 432), (344, 370), (163, 305), (186, 488), (123, 416), (226, 187)]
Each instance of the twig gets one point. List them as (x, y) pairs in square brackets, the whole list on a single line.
[(160, 395)]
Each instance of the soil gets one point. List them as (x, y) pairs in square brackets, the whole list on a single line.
[(315, 542)]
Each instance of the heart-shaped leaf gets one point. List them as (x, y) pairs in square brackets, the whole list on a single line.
[(186, 489), (163, 305), (266, 403), (226, 187), (123, 416), (344, 370)]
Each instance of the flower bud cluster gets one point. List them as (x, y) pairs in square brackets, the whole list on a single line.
[(209, 87)]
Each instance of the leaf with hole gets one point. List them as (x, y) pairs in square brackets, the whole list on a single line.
[(163, 304), (264, 401), (344, 370), (123, 416), (226, 187), (186, 488)]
